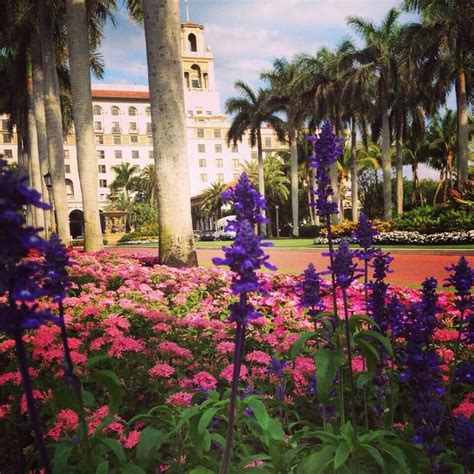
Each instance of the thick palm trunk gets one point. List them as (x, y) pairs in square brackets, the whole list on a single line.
[(386, 162), (462, 131), (162, 35), (399, 171), (334, 178), (53, 120), (294, 183), (24, 170), (353, 166), (35, 171), (442, 178), (40, 122), (261, 178), (78, 44), (317, 219)]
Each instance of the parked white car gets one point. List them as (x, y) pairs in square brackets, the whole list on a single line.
[(220, 232)]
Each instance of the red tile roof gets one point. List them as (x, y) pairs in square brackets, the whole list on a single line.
[(114, 94)]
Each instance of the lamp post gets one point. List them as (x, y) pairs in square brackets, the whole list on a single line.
[(49, 185), (277, 208)]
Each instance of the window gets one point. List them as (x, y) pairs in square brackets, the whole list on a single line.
[(7, 138), (235, 163), (115, 110), (102, 183), (208, 112), (66, 154), (99, 139), (195, 75), (149, 140), (217, 133), (132, 127), (134, 139), (67, 168), (235, 149), (118, 154), (135, 154), (150, 155), (268, 142), (198, 112), (102, 169), (218, 148), (97, 110), (254, 155), (148, 127), (201, 148), (100, 154), (148, 111), (200, 133), (132, 111), (98, 126), (69, 188), (4, 124), (220, 177), (117, 140), (115, 127), (8, 153), (219, 163), (192, 43), (202, 163), (203, 178)]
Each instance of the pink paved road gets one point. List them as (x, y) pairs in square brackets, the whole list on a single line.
[(408, 268)]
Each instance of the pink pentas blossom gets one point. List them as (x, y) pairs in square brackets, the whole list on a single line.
[(466, 407), (5, 410), (171, 348), (205, 381), (258, 357), (131, 439), (66, 422), (227, 372), (358, 364), (180, 399), (445, 335), (161, 370), (225, 347)]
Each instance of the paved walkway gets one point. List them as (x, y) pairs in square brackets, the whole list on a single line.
[(409, 265)]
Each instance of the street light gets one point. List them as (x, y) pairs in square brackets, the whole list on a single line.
[(277, 207), (48, 180), (49, 185)]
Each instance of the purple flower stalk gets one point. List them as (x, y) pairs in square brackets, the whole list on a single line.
[(243, 257), (343, 267), (310, 292)]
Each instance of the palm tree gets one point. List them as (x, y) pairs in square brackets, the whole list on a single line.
[(79, 63), (163, 47), (145, 185), (441, 138), (53, 118), (125, 178), (212, 202), (288, 101), (378, 56), (251, 110), (443, 41)]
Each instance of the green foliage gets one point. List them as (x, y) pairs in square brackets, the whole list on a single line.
[(141, 215), (310, 231), (145, 233)]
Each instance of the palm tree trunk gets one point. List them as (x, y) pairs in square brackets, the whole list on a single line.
[(442, 178), (399, 170), (162, 36), (53, 120), (415, 181), (462, 131), (78, 44), (40, 121), (33, 153), (317, 220), (447, 181), (24, 170), (354, 187), (294, 182), (261, 177), (386, 160), (333, 176)]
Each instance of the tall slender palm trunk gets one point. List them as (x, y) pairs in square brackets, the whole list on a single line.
[(353, 167), (53, 120), (261, 178), (78, 44), (386, 161), (35, 170), (162, 36), (294, 182), (399, 170), (462, 131), (40, 122)]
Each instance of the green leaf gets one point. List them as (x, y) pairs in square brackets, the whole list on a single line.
[(114, 446), (260, 412), (275, 430), (206, 419), (370, 354), (376, 335), (201, 470), (327, 363), (362, 379), (376, 456), (342, 453), (356, 318), (111, 382), (149, 442), (61, 457), (396, 454), (300, 342), (317, 461), (102, 468), (132, 469), (97, 359), (65, 398)]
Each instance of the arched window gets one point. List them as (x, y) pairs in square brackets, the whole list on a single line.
[(115, 110), (69, 188), (148, 111), (97, 110), (195, 76), (192, 43), (132, 111)]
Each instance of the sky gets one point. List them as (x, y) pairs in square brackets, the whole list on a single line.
[(246, 36)]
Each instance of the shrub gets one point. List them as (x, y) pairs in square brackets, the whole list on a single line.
[(346, 227), (310, 230)]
